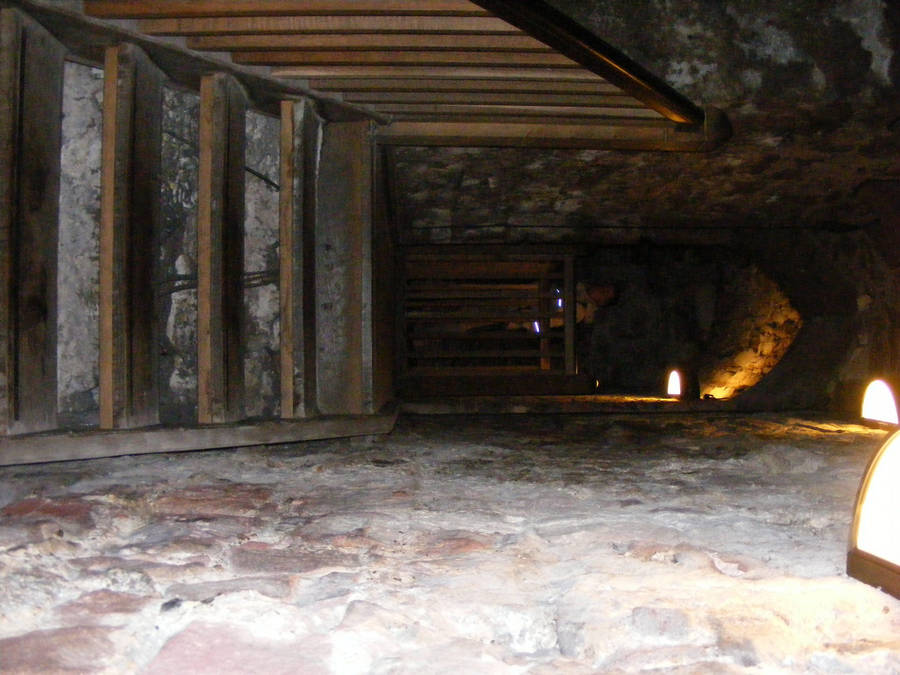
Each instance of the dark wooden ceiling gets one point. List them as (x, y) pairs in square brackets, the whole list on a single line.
[(502, 72)]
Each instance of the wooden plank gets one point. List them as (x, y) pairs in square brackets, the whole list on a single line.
[(142, 9), (220, 222), (612, 101), (300, 130), (419, 110), (537, 135), (343, 270), (10, 81), (31, 78), (368, 41), (327, 24), (129, 224), (569, 314), (542, 351), (438, 73), (89, 445), (423, 58), (384, 272), (494, 85)]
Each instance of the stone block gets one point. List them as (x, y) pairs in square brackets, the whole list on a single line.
[(81, 649)]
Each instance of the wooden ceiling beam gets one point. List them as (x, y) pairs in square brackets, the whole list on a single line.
[(509, 111), (404, 58), (492, 98), (540, 135), (369, 41), (437, 73), (156, 9), (327, 24), (494, 85)]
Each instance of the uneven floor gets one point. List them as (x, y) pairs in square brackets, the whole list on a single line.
[(517, 544)]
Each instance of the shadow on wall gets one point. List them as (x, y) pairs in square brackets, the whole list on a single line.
[(706, 309), (788, 320)]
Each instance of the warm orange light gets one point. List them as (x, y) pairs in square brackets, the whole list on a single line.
[(875, 538), (878, 403), (673, 386)]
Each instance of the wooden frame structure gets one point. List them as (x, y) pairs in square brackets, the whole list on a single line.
[(445, 72), (348, 79), (326, 205)]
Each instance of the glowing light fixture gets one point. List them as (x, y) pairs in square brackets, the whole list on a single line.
[(673, 384), (874, 555), (537, 327), (878, 403)]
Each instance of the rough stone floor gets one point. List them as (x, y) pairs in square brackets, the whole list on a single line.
[(518, 544)]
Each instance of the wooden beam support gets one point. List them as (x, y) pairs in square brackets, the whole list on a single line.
[(422, 58), (143, 9), (220, 242), (300, 136), (31, 89), (569, 313), (129, 223), (644, 136), (437, 73), (489, 98), (92, 444), (368, 41), (344, 270), (327, 24), (494, 85)]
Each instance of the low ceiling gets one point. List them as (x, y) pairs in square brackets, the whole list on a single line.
[(492, 72)]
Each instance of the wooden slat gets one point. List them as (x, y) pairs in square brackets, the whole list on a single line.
[(489, 98), (437, 73), (607, 136), (463, 112), (423, 58), (327, 24), (92, 444), (139, 9), (300, 129), (31, 86), (438, 354), (220, 224), (569, 312), (443, 269), (343, 270), (494, 85), (10, 80), (368, 41), (129, 223)]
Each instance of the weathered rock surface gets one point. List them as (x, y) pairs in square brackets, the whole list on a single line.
[(534, 544)]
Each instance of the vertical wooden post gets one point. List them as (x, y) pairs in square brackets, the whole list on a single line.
[(220, 223), (344, 270), (129, 223), (31, 89), (569, 313), (300, 129), (384, 273)]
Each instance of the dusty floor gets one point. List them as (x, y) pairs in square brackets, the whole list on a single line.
[(518, 544)]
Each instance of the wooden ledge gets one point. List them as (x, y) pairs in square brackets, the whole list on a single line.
[(66, 446)]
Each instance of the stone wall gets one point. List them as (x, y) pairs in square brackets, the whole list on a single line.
[(78, 349), (810, 87), (707, 311), (176, 274)]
